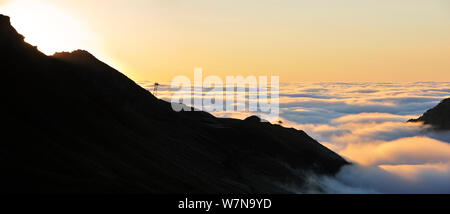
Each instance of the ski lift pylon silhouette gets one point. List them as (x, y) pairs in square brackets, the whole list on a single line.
[(155, 89)]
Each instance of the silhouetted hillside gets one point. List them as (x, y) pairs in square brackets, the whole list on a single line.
[(438, 117), (74, 124)]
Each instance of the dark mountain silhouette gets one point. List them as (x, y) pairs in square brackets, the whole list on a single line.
[(72, 124), (438, 117)]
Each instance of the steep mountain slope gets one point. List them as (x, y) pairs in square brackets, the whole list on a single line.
[(438, 117), (74, 124)]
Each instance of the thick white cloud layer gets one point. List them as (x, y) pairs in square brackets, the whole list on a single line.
[(366, 123)]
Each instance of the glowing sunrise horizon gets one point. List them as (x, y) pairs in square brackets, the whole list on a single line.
[(345, 41), (226, 96)]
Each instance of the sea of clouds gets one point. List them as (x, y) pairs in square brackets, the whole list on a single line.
[(366, 124)]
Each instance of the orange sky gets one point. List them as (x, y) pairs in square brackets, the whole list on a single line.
[(323, 40)]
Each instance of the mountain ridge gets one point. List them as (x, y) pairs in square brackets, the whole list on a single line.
[(76, 125), (438, 116)]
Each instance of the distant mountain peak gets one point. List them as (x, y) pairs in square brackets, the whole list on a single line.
[(438, 117)]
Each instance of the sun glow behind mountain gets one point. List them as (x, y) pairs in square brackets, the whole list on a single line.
[(48, 27), (55, 29), (323, 40)]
